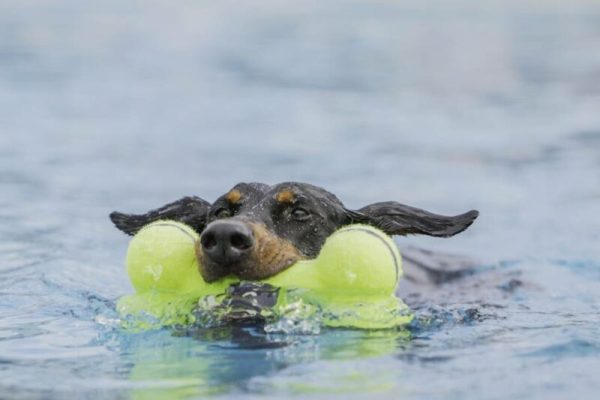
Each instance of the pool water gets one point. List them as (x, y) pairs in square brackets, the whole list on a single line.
[(446, 106)]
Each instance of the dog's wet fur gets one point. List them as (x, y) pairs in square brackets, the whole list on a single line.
[(255, 230)]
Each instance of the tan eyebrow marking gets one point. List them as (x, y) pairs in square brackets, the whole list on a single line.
[(285, 196), (233, 196)]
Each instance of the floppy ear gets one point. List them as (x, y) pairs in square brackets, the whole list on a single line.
[(190, 210), (397, 219)]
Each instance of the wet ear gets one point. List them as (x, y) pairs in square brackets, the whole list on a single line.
[(397, 219), (190, 210)]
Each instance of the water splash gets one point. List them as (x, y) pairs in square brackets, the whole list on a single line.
[(277, 310)]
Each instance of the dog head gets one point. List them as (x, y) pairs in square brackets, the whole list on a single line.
[(255, 230)]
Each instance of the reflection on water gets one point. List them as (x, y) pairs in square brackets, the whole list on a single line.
[(222, 360)]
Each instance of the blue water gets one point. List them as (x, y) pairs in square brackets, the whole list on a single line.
[(446, 106)]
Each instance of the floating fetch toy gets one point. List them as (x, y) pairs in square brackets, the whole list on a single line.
[(352, 282)]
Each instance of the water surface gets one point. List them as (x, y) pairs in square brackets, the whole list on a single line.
[(446, 106)]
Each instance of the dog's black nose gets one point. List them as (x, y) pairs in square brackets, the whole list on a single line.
[(227, 242)]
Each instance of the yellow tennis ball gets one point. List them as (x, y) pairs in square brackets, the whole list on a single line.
[(359, 260), (161, 257)]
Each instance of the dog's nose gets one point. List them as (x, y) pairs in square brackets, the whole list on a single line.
[(227, 242)]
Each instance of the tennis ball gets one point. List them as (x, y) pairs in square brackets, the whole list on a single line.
[(161, 257), (360, 260)]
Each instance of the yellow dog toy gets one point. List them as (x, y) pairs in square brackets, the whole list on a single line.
[(352, 282)]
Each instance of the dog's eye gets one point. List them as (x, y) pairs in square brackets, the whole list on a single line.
[(300, 214), (222, 213)]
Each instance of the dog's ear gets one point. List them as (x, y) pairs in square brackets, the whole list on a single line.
[(190, 210), (397, 219)]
